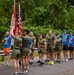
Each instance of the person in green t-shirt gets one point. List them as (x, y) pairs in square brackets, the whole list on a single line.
[(47, 53), (15, 55), (26, 40), (58, 48), (50, 47), (41, 48)]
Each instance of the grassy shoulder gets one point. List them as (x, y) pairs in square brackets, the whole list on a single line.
[(35, 55), (1, 62)]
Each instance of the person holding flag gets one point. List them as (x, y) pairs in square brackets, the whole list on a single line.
[(15, 55)]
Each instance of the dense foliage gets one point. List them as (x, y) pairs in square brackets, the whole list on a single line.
[(39, 15)]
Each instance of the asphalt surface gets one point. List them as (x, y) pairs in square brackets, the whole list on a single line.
[(64, 68)]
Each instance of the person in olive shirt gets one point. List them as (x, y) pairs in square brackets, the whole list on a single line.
[(58, 48), (25, 51), (47, 53), (33, 46), (16, 52), (50, 47), (41, 48)]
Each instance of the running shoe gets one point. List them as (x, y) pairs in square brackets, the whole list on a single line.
[(52, 63), (66, 60), (38, 61), (7, 64), (49, 63), (15, 74), (26, 71), (71, 59), (41, 64)]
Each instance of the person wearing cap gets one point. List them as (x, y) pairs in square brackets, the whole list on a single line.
[(71, 45), (58, 48), (65, 39)]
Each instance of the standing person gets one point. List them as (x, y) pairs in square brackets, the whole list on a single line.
[(65, 38), (50, 47), (16, 52), (7, 46), (33, 46), (26, 40), (42, 48), (58, 48), (47, 53), (71, 45), (55, 58)]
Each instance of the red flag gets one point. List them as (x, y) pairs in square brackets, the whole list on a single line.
[(20, 20), (13, 20)]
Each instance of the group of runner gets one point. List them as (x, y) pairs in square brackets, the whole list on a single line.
[(51, 45)]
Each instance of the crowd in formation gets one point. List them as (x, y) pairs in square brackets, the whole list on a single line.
[(50, 45)]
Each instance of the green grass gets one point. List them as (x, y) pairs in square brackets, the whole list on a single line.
[(36, 54), (0, 58)]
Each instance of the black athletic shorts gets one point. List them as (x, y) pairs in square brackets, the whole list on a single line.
[(65, 47), (71, 48)]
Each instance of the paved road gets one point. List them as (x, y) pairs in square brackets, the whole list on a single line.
[(64, 68)]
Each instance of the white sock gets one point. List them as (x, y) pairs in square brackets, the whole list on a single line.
[(16, 72)]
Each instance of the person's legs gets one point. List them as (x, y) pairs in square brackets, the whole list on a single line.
[(23, 63), (55, 56), (59, 56), (16, 66), (52, 58), (65, 53), (47, 57), (41, 60), (26, 64), (31, 58), (71, 53), (7, 56), (39, 56)]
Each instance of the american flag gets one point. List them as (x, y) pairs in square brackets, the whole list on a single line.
[(13, 20), (20, 20)]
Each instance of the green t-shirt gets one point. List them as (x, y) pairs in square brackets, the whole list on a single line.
[(17, 42), (25, 41), (41, 43), (59, 42), (50, 40)]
